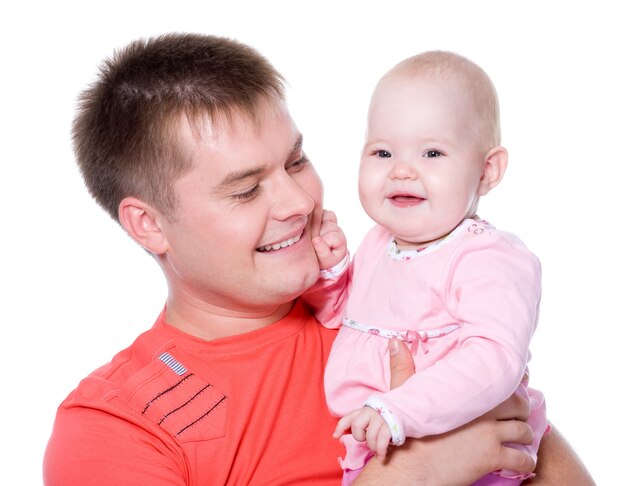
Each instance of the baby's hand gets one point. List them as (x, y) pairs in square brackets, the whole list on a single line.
[(368, 426), (330, 246)]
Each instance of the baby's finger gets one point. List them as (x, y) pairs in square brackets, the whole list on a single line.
[(335, 239), (329, 217), (359, 432), (361, 423), (373, 430), (322, 250), (316, 221), (382, 442), (344, 424)]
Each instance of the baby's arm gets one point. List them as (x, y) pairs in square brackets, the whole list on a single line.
[(331, 246), (328, 296)]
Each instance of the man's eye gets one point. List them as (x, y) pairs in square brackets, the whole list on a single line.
[(297, 165), (383, 154), (246, 196), (431, 154)]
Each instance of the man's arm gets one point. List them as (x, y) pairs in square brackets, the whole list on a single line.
[(464, 455), (455, 458), (558, 464)]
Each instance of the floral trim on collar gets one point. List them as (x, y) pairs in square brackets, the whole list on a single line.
[(397, 254)]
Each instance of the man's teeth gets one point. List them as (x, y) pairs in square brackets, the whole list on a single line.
[(282, 244)]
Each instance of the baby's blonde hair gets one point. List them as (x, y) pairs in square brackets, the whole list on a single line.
[(468, 76)]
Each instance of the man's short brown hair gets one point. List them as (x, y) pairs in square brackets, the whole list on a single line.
[(125, 130)]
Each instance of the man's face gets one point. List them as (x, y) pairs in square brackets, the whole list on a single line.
[(241, 237)]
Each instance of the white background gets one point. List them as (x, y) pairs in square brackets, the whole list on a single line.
[(75, 289)]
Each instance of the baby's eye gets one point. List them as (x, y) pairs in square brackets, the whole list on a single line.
[(383, 154), (431, 154)]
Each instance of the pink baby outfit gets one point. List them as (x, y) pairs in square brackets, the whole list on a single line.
[(468, 307)]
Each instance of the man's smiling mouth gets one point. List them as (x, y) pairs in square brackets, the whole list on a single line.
[(282, 244)]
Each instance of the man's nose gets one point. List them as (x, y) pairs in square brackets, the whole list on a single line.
[(292, 200)]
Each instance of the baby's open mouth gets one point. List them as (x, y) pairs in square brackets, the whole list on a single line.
[(406, 198)]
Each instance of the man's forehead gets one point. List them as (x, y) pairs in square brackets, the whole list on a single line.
[(239, 143), (204, 126)]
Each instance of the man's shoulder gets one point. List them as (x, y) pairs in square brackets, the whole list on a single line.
[(160, 370), (102, 422), (148, 386), (123, 367)]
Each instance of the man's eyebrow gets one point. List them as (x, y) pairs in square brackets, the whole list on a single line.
[(240, 175), (297, 147)]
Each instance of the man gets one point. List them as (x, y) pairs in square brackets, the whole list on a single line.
[(186, 141)]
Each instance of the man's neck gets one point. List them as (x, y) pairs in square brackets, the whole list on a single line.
[(208, 321)]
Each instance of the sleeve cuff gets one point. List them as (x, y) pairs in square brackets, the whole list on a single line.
[(334, 272), (397, 434)]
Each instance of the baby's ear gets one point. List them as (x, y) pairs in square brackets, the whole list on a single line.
[(494, 167)]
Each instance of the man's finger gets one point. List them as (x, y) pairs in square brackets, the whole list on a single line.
[(515, 431), (517, 406), (516, 460), (401, 363)]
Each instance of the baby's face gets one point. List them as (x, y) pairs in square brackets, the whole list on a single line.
[(422, 161)]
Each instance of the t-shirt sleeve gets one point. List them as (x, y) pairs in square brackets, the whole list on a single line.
[(493, 289), (92, 446)]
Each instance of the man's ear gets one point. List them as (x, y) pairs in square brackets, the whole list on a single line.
[(494, 167), (142, 222)]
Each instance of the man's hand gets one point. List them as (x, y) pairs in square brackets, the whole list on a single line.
[(330, 246), (400, 362)]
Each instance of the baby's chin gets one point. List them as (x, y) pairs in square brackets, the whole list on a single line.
[(417, 242)]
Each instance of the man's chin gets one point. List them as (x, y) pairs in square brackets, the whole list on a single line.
[(300, 286)]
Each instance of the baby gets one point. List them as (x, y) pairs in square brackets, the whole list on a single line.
[(462, 295)]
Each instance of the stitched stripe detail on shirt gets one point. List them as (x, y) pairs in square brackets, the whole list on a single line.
[(222, 398), (184, 404), (173, 364), (167, 390)]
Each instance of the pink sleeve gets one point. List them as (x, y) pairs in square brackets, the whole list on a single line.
[(91, 446), (328, 296), (493, 290)]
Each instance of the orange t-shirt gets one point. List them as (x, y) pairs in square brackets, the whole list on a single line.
[(176, 410)]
